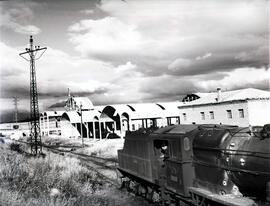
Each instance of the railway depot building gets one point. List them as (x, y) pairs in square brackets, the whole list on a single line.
[(242, 107), (80, 117)]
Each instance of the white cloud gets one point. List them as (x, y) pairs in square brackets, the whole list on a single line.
[(168, 87), (9, 53), (207, 55), (240, 78), (179, 63), (87, 11), (107, 36), (56, 71), (128, 67), (28, 29), (90, 86), (156, 36), (17, 17), (148, 50)]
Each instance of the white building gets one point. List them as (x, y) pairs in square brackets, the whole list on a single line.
[(242, 107), (130, 117), (81, 118), (50, 122), (78, 118)]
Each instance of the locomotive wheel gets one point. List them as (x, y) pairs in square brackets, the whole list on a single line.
[(141, 190), (198, 200), (156, 197), (133, 187), (123, 184), (137, 189), (149, 194), (127, 185)]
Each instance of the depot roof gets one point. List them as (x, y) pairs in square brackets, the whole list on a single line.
[(143, 110), (228, 96)]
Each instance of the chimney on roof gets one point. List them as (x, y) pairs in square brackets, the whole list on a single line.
[(218, 94)]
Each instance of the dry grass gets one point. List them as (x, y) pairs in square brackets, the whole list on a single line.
[(57, 180), (53, 180), (106, 148)]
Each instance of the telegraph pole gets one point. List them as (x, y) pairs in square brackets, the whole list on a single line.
[(81, 125), (15, 101), (35, 137)]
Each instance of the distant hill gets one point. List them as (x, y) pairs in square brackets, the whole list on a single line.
[(58, 104), (8, 116)]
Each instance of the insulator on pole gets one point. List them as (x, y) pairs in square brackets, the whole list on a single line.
[(35, 136)]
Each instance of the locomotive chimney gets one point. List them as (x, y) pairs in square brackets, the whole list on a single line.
[(218, 94)]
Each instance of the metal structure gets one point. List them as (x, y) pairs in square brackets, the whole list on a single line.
[(198, 165), (16, 100), (81, 124), (35, 137)]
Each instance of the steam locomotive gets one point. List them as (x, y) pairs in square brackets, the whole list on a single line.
[(198, 165)]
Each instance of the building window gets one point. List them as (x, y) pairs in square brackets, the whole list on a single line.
[(212, 115), (229, 114), (202, 116), (241, 113), (184, 116), (133, 127)]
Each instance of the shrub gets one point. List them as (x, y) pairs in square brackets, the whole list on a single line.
[(29, 181), (16, 147)]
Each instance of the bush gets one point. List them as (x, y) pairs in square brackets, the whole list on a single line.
[(29, 181), (16, 147)]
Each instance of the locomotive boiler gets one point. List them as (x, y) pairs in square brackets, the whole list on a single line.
[(199, 165)]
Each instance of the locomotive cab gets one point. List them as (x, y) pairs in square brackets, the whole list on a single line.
[(163, 158), (135, 157)]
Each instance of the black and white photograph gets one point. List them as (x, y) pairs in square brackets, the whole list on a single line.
[(134, 103)]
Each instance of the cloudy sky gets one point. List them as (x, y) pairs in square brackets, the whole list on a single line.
[(116, 51)]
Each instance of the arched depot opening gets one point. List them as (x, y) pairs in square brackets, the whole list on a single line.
[(69, 125), (50, 123), (125, 121), (120, 115), (111, 112), (86, 126)]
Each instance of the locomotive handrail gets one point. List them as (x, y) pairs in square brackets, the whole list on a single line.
[(237, 152), (232, 168), (178, 161), (240, 132)]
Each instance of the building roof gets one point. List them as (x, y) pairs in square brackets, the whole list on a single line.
[(72, 116), (228, 96), (193, 96), (87, 116), (53, 113), (146, 110), (202, 94), (85, 102), (143, 110), (177, 129), (170, 108), (99, 108)]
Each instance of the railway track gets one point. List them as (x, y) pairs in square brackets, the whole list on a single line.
[(106, 168)]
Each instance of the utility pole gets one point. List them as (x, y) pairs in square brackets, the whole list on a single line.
[(35, 137), (69, 103), (81, 124), (15, 101)]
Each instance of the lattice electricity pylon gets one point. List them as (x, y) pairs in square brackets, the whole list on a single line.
[(35, 137), (15, 101)]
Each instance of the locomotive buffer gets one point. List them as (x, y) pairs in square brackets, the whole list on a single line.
[(35, 137)]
